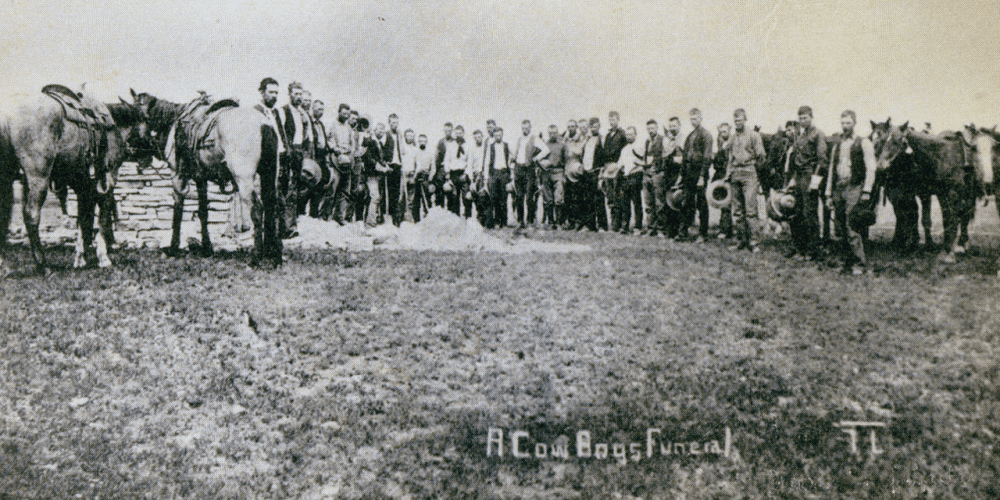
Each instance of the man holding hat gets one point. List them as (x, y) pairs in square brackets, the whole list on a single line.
[(746, 151), (336, 201), (849, 185)]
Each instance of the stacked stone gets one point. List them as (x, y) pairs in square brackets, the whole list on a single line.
[(146, 206)]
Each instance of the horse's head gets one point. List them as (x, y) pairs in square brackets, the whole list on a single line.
[(890, 142)]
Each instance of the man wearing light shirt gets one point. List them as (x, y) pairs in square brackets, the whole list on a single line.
[(409, 190), (592, 208), (849, 183), (474, 172), (393, 157), (528, 152), (293, 119), (745, 151), (632, 159), (336, 203), (425, 165)]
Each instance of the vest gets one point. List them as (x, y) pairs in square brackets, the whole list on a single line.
[(493, 153), (857, 156)]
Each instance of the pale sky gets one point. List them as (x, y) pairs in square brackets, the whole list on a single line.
[(464, 62)]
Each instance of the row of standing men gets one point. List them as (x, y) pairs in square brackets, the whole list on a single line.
[(586, 180)]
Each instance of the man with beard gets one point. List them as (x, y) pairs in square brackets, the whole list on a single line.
[(527, 154), (393, 151), (849, 183), (609, 178), (309, 143), (474, 172), (440, 175), (497, 165), (269, 97), (410, 196), (425, 159), (697, 159), (746, 150), (456, 162), (721, 158), (807, 158), (336, 200), (295, 122), (653, 188), (374, 175), (321, 148), (674, 224), (359, 190), (574, 140), (551, 176)]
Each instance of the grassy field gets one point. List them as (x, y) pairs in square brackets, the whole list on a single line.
[(379, 375)]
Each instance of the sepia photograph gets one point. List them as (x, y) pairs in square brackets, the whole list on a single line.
[(498, 250)]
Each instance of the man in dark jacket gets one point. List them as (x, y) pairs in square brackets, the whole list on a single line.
[(719, 164), (614, 143), (808, 157), (697, 159)]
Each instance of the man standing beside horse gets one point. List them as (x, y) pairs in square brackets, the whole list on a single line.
[(849, 183)]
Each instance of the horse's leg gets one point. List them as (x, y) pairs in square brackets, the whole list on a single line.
[(6, 208), (35, 189), (175, 227), (85, 222), (105, 229), (925, 220), (206, 240), (948, 243)]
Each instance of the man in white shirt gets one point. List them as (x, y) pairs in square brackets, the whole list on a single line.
[(456, 161), (393, 158), (474, 172), (529, 151), (424, 165), (632, 161), (336, 203), (849, 184)]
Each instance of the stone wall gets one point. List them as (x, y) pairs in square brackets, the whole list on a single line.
[(146, 207)]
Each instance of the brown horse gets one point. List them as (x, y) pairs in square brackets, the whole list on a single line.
[(913, 163), (40, 146), (239, 146)]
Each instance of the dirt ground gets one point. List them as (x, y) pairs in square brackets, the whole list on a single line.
[(382, 374)]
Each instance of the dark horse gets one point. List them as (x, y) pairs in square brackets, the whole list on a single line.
[(912, 163), (39, 146), (238, 146)]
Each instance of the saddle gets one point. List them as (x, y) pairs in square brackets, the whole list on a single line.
[(79, 109), (192, 131), (197, 120)]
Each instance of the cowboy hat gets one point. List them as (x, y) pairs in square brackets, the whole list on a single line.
[(719, 194), (780, 206), (862, 217), (676, 199)]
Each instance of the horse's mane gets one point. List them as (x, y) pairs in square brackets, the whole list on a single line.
[(124, 115), (932, 142), (163, 114)]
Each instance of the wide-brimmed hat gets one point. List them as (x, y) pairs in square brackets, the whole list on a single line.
[(719, 194), (780, 206), (676, 199), (862, 217)]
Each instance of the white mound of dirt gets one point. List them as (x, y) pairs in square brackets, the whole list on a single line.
[(440, 230)]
